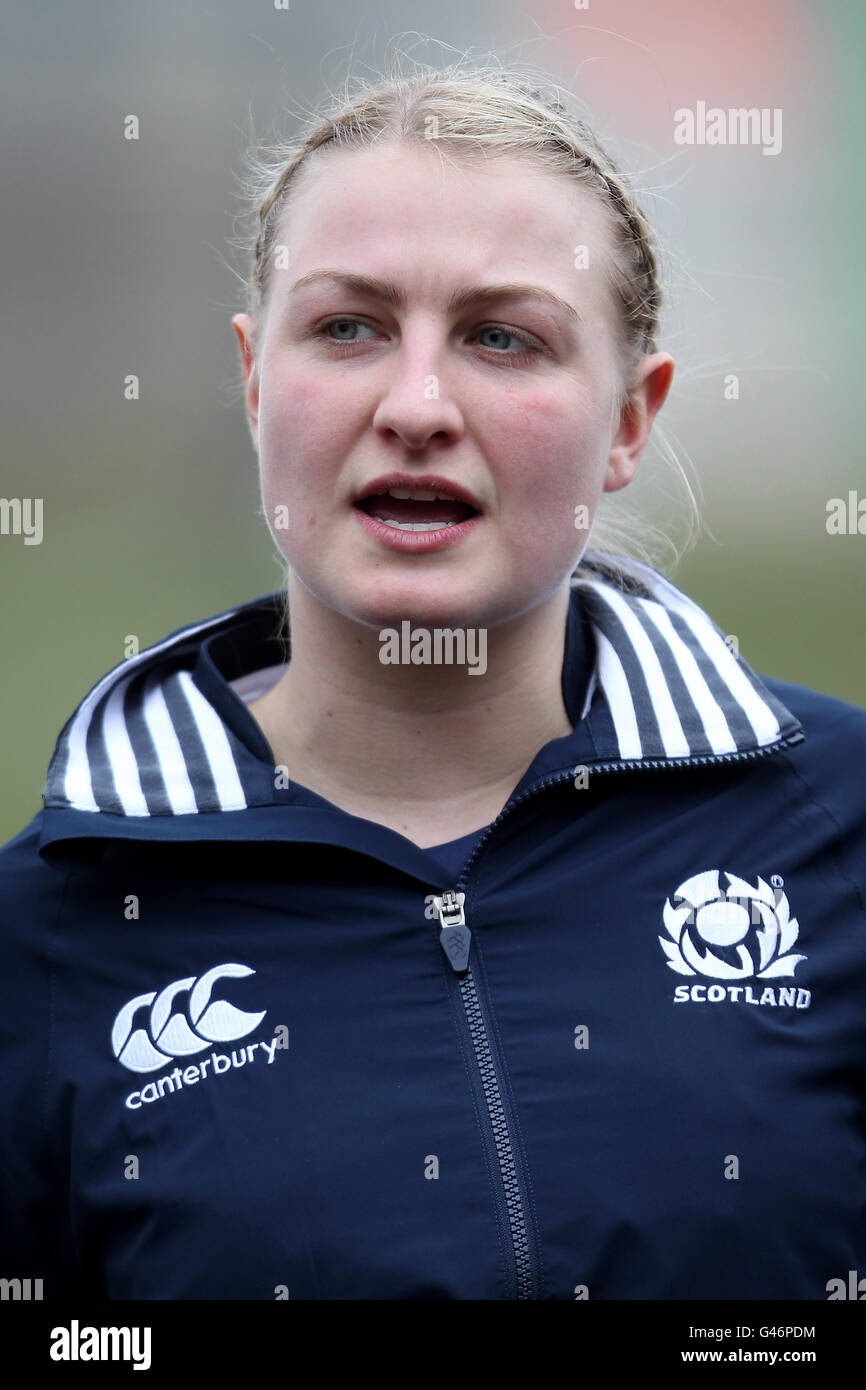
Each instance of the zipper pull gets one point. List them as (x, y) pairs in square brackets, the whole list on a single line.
[(455, 937)]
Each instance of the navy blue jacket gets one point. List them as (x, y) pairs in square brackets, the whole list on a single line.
[(612, 1046)]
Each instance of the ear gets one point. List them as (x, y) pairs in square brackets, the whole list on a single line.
[(650, 384), (245, 330)]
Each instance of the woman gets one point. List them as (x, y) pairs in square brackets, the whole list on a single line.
[(499, 935)]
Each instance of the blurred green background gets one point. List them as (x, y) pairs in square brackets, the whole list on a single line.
[(114, 263)]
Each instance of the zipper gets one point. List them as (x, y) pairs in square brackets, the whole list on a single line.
[(455, 938)]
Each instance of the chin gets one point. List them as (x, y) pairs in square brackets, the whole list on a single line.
[(436, 604)]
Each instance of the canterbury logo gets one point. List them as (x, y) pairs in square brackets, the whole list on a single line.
[(168, 1034), (740, 932)]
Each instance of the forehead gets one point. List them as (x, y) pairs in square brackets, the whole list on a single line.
[(431, 220)]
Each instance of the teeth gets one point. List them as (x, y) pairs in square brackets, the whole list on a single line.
[(417, 496), (418, 525)]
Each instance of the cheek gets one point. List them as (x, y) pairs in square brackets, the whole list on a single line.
[(550, 450), (299, 434), (291, 409)]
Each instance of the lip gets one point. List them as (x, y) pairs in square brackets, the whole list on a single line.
[(418, 541), (421, 482)]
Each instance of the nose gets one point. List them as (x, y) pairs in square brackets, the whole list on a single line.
[(418, 401)]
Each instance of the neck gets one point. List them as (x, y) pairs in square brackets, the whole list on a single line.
[(414, 737)]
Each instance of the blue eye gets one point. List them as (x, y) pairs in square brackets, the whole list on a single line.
[(352, 323), (506, 332)]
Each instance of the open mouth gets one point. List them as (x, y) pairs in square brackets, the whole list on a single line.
[(415, 510)]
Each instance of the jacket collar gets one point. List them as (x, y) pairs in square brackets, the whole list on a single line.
[(163, 738), (669, 682)]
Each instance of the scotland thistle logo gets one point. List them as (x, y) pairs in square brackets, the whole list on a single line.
[(736, 933)]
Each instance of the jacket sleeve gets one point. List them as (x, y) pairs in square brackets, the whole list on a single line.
[(35, 1240)]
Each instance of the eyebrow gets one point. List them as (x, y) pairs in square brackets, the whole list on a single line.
[(458, 301)]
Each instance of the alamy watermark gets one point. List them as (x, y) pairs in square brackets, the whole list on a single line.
[(846, 518), (439, 646), (738, 126), (77, 1343), (851, 1288), (22, 516), (21, 1290)]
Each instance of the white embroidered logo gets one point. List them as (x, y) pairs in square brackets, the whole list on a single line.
[(739, 933), (169, 1035)]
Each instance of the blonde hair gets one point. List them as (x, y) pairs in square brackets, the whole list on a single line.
[(480, 109)]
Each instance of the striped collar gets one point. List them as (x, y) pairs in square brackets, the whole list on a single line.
[(164, 735), (669, 681)]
